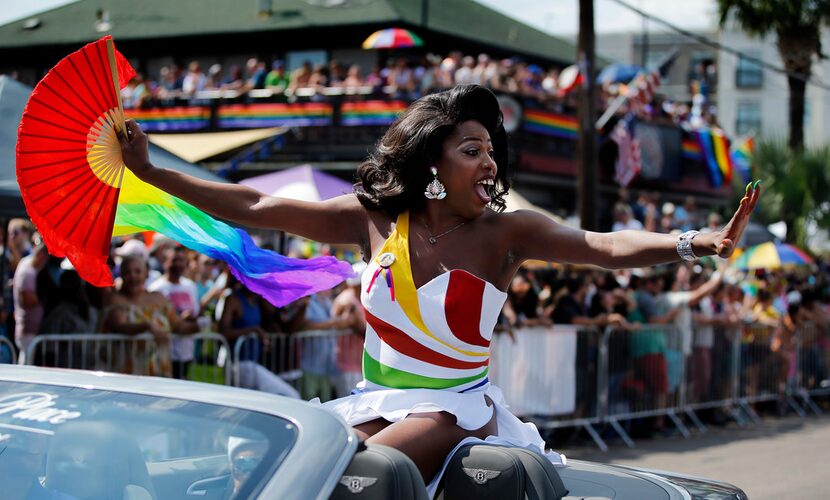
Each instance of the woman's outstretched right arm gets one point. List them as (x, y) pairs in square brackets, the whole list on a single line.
[(341, 220)]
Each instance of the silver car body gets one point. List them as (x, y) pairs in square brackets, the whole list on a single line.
[(325, 444)]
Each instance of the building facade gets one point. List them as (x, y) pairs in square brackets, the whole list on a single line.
[(649, 50), (755, 100)]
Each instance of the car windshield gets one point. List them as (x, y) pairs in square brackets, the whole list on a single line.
[(78, 443)]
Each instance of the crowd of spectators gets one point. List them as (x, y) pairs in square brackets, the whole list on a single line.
[(400, 77), (164, 289), (647, 212), (169, 292), (701, 314)]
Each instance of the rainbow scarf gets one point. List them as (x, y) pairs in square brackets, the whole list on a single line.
[(279, 279)]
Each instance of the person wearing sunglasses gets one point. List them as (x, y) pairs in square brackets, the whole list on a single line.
[(244, 455)]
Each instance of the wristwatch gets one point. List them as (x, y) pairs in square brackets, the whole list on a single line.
[(684, 246)]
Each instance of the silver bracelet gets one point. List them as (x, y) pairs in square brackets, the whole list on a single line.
[(684, 246)]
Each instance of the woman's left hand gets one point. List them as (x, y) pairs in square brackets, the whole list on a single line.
[(728, 237)]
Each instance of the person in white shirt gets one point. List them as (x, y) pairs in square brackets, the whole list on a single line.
[(680, 296), (465, 73), (28, 309), (624, 219), (183, 295), (195, 80)]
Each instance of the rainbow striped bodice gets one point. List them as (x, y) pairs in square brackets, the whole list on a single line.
[(433, 337)]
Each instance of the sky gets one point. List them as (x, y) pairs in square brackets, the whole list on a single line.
[(558, 17)]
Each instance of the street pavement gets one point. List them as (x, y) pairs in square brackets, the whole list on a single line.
[(778, 458)]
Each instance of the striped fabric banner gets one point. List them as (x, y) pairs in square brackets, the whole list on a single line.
[(704, 137), (741, 154), (691, 150), (180, 118), (550, 124), (720, 144), (260, 115), (371, 112)]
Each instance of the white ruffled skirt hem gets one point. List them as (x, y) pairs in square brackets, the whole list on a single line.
[(470, 410)]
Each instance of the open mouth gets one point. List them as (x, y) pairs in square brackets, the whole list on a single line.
[(485, 189)]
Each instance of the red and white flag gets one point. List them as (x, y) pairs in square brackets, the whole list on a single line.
[(628, 163), (641, 93)]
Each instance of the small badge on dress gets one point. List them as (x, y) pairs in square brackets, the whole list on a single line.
[(385, 261)]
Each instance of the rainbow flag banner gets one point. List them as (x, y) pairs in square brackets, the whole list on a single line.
[(259, 115), (371, 112), (691, 149), (550, 124), (181, 118), (741, 154), (704, 138), (721, 148), (279, 279)]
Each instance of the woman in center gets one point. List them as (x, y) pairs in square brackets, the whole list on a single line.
[(427, 211)]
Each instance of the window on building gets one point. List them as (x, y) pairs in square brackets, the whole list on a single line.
[(749, 74), (702, 66), (748, 118)]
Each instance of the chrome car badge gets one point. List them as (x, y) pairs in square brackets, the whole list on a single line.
[(356, 484), (481, 476)]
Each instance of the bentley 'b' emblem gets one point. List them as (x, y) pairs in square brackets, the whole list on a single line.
[(481, 476), (356, 484)]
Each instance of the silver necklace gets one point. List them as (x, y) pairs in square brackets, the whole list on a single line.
[(434, 239)]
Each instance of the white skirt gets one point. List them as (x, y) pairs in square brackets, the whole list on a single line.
[(470, 410)]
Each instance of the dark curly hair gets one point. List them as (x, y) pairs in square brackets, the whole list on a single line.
[(394, 176)]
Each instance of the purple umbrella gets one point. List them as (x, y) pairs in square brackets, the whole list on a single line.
[(299, 183)]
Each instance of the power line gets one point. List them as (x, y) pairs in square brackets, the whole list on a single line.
[(716, 45)]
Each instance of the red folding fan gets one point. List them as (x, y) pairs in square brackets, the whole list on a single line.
[(69, 164)]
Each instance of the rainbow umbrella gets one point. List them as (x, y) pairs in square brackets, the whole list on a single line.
[(771, 255), (392, 38)]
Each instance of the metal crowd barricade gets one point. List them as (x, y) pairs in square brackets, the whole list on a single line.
[(766, 355), (713, 370), (551, 376), (813, 359), (211, 358), (645, 369), (132, 354), (316, 363), (277, 354), (8, 354)]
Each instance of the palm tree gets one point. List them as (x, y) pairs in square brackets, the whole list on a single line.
[(796, 187), (798, 25)]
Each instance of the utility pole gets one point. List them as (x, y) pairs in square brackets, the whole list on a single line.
[(644, 45), (587, 144)]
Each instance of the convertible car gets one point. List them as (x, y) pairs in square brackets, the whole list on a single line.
[(88, 435)]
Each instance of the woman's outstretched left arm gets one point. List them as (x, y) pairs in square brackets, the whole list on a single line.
[(538, 237)]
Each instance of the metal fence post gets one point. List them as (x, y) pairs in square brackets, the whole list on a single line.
[(8, 354)]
